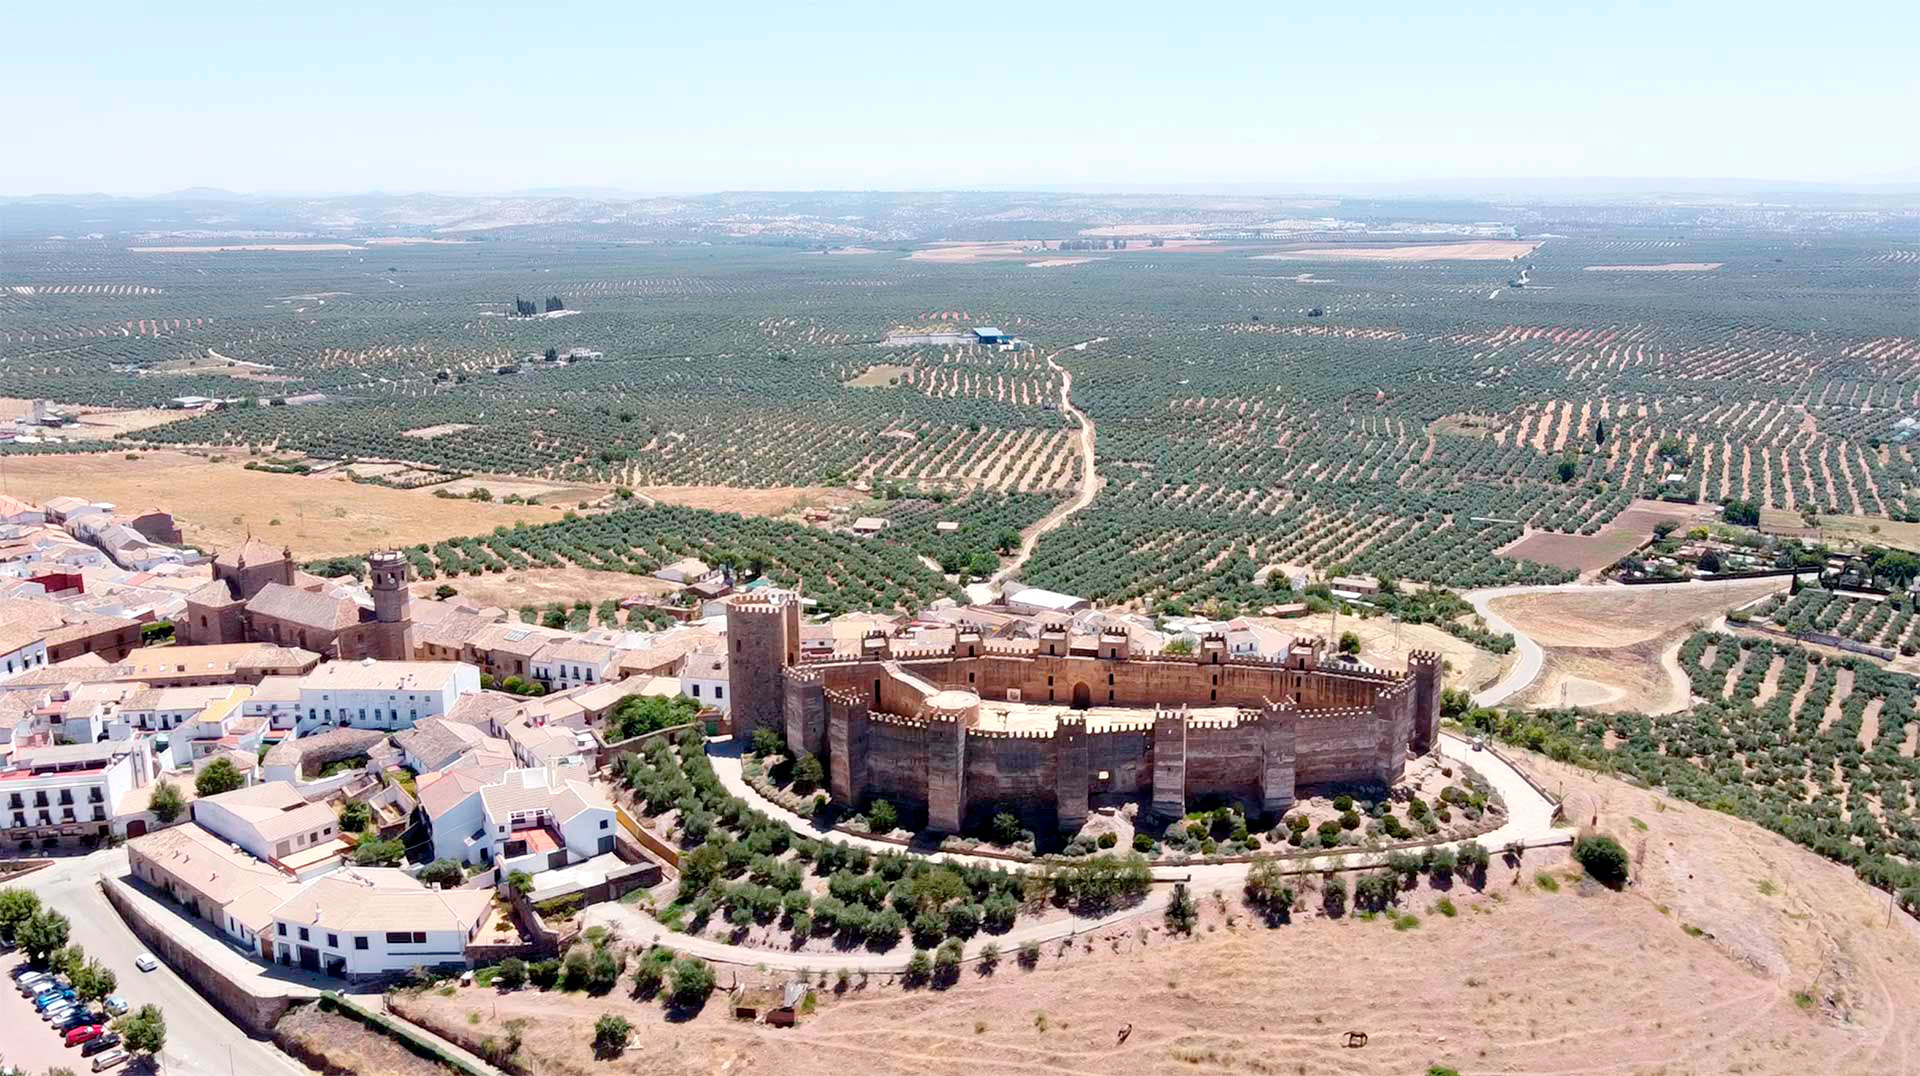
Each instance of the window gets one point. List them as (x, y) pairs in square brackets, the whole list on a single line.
[(333, 941), (696, 691), (303, 933), (719, 691), (281, 929), (603, 823), (360, 942), (398, 937)]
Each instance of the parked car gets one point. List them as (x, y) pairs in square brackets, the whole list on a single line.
[(145, 962), (85, 1033), (58, 1010), (117, 1005), (81, 1014), (31, 985), (106, 1041), (109, 1059), (52, 994)]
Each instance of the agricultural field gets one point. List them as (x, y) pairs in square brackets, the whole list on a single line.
[(1884, 623), (1447, 402), (841, 573), (218, 503), (1819, 749)]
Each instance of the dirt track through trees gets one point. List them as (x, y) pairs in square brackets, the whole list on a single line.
[(1089, 477)]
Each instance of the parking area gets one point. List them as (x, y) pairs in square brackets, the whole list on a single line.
[(31, 1044)]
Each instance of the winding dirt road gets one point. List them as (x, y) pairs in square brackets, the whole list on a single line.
[(1089, 478)]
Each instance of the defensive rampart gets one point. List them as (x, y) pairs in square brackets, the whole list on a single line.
[(902, 724)]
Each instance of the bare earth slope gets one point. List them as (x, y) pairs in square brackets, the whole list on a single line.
[(1735, 951)]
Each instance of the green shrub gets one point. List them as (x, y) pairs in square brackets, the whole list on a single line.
[(692, 981), (1603, 858), (610, 1035)]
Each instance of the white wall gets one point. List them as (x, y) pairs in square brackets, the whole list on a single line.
[(452, 830), (381, 708), (378, 958), (31, 656)]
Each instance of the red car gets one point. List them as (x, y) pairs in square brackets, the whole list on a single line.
[(83, 1033)]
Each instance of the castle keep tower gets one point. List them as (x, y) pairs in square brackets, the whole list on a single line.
[(763, 638)]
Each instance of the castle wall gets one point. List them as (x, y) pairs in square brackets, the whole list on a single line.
[(1425, 667), (1336, 746), (1015, 772), (896, 769), (1225, 760), (1297, 727), (848, 747), (1126, 757), (806, 714)]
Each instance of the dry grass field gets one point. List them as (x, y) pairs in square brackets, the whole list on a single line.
[(1623, 678), (218, 504), (1623, 616), (1615, 648), (1871, 530), (511, 590), (1590, 554), (1733, 952), (877, 376), (344, 1045), (1386, 644), (1585, 553)]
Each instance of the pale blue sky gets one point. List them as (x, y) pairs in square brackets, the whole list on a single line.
[(147, 97)]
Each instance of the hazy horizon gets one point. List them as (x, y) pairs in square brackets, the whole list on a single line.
[(763, 98)]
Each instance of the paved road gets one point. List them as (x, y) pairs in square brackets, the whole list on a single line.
[(1530, 821), (200, 1040), (1527, 668), (1089, 478)]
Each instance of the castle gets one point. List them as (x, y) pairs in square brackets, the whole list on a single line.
[(1105, 725), (257, 596)]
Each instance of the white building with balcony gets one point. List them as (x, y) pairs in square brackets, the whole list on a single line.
[(51, 796)]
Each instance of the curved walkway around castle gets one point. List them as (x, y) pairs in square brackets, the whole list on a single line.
[(1531, 813)]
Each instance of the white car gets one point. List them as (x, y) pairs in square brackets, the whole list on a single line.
[(145, 962), (56, 1011)]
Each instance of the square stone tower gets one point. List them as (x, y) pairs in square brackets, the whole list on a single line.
[(763, 637)]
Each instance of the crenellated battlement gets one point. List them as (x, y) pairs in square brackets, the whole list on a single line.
[(900, 720), (881, 717), (1346, 713), (847, 698), (1012, 734)]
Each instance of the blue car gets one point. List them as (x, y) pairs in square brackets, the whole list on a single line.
[(63, 994)]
